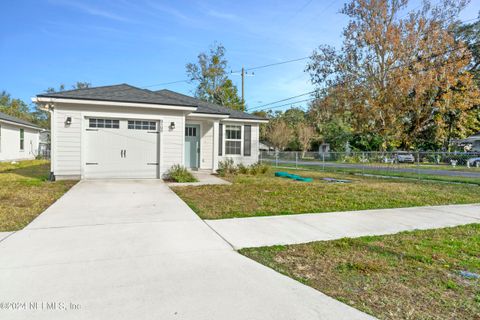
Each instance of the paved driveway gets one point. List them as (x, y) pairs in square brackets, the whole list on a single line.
[(133, 250)]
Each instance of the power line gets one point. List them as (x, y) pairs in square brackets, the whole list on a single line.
[(288, 104), (274, 64), (166, 83), (260, 108), (286, 99)]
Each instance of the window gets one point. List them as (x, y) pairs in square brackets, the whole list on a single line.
[(190, 131), (233, 139), (104, 123), (22, 139), (142, 125)]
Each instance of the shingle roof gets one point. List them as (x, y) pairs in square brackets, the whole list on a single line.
[(116, 93), (207, 107), (127, 93), (6, 117)]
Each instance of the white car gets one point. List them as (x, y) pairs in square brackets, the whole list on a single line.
[(473, 162), (403, 157)]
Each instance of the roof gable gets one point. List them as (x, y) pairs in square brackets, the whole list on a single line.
[(116, 93), (207, 107), (127, 93), (9, 118)]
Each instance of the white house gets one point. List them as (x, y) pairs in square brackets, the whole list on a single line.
[(471, 143), (18, 138), (121, 131)]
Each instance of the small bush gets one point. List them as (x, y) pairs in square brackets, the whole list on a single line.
[(258, 168), (243, 169), (227, 167), (179, 173)]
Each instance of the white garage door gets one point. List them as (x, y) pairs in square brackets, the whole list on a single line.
[(117, 148)]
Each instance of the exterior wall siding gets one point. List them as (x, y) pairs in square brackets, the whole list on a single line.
[(67, 142), (10, 142)]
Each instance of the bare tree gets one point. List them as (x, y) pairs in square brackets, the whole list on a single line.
[(279, 134), (305, 135)]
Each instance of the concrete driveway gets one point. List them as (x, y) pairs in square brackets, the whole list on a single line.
[(131, 249)]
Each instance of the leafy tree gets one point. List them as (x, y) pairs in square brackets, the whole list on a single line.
[(263, 126), (14, 107), (398, 76), (469, 33), (77, 85), (213, 85)]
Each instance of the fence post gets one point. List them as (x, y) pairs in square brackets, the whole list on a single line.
[(296, 160), (276, 159), (323, 161), (418, 165)]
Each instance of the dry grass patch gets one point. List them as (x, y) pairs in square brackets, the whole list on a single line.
[(268, 195), (25, 192), (410, 275)]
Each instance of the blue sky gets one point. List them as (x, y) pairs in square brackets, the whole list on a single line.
[(45, 43)]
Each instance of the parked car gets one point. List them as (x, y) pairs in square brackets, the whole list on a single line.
[(474, 162), (404, 157)]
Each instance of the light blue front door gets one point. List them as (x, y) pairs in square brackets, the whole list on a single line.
[(192, 145)]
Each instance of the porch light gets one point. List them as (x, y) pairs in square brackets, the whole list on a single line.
[(68, 121), (172, 125)]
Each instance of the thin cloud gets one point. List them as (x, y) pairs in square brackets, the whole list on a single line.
[(173, 13), (222, 15), (91, 10)]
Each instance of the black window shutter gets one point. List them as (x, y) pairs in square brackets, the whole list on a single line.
[(220, 139), (247, 140)]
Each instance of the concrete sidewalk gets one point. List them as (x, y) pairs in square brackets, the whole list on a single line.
[(204, 178), (130, 249), (302, 228)]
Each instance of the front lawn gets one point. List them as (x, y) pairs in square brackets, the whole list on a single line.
[(268, 195), (25, 192), (410, 275), (395, 172)]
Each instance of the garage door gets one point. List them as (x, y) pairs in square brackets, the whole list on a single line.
[(119, 148)]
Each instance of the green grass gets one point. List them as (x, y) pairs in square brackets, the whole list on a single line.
[(268, 195), (390, 172), (25, 192), (410, 275)]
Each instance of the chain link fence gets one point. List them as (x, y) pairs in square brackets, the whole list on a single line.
[(443, 166)]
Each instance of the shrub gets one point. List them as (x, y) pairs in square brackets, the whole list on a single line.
[(227, 167), (242, 169), (258, 168), (179, 173)]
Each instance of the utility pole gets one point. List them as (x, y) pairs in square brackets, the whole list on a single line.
[(243, 86), (243, 74)]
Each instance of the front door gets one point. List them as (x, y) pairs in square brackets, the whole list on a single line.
[(192, 145)]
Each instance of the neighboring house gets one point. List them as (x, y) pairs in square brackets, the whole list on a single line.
[(265, 146), (121, 131), (471, 143), (44, 144), (18, 138)]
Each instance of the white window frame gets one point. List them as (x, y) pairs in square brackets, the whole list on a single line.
[(94, 123), (149, 125), (225, 139)]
